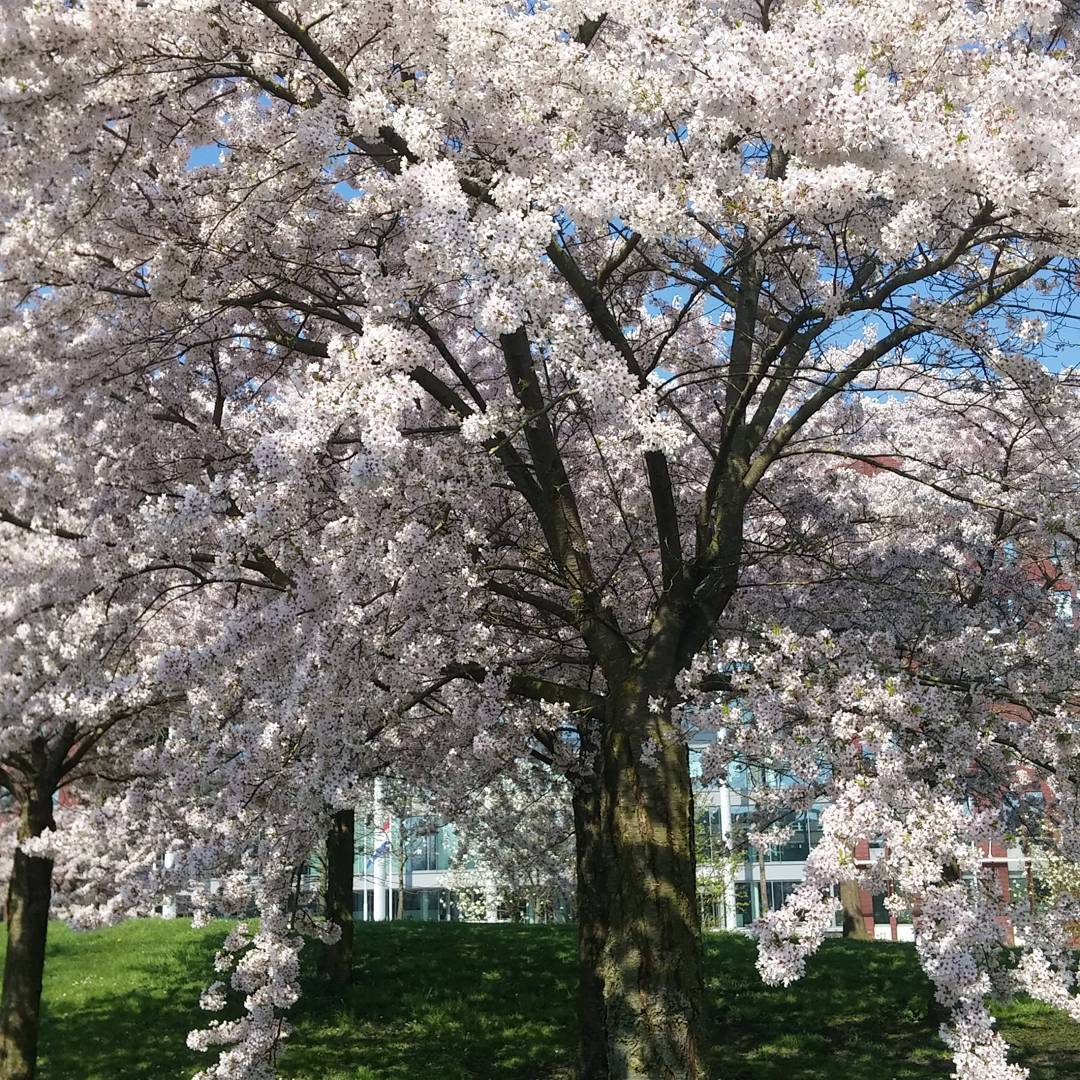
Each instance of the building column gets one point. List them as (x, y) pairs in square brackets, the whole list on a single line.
[(380, 867), (168, 901), (725, 834)]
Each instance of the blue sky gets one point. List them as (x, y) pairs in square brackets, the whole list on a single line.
[(207, 154), (1062, 348)]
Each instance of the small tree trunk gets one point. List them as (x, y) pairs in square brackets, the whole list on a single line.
[(763, 885), (401, 875), (592, 933), (854, 920), (340, 842), (651, 954), (29, 894)]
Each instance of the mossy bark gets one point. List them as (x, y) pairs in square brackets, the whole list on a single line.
[(29, 895), (650, 953), (340, 842), (592, 1063)]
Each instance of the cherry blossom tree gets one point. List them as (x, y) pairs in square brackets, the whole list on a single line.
[(490, 326), (912, 656), (515, 838), (78, 689)]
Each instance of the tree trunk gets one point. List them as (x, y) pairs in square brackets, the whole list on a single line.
[(762, 884), (854, 920), (651, 949), (340, 843), (400, 906), (592, 1029), (29, 894)]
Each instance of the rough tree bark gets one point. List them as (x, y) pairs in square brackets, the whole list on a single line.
[(29, 895), (651, 950), (340, 842), (592, 1032), (854, 920)]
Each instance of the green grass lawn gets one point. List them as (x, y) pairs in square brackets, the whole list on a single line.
[(456, 1002)]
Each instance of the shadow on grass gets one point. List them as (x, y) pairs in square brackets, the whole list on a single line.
[(1044, 1040), (461, 1002), (118, 1003), (478, 1002), (452, 1001), (860, 1012)]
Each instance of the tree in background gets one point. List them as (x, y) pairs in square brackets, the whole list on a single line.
[(915, 660), (79, 693), (717, 866), (338, 894), (514, 845)]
